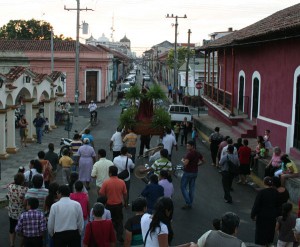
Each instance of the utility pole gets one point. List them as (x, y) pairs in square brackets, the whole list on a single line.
[(175, 85), (187, 64), (78, 9)]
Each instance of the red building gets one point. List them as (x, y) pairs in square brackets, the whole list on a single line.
[(259, 79)]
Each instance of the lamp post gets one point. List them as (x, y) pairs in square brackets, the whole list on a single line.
[(175, 50), (76, 104)]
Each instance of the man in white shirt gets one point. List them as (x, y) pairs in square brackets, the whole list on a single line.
[(169, 141), (116, 142), (65, 222), (100, 168), (93, 107), (120, 163), (224, 150)]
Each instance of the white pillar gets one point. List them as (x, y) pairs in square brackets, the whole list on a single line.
[(29, 117), (11, 131), (3, 154), (52, 114), (47, 107)]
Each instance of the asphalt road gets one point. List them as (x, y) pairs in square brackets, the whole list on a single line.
[(188, 225)]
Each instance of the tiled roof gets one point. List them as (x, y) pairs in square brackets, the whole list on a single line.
[(54, 75), (43, 45), (14, 73), (284, 23)]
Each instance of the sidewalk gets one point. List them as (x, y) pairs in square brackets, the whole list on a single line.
[(10, 166)]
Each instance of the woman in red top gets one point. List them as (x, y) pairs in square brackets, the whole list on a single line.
[(83, 199), (244, 157), (99, 232)]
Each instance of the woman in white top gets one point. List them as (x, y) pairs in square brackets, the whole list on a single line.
[(156, 228)]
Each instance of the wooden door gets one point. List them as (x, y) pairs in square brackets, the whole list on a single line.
[(91, 85), (255, 98), (297, 116), (241, 93)]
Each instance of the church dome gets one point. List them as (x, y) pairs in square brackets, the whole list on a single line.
[(103, 39), (125, 39)]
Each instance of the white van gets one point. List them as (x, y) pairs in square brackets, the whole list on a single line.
[(179, 112)]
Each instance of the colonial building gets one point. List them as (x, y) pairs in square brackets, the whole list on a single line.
[(259, 79)]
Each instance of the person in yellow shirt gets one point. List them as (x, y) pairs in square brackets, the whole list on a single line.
[(290, 171), (66, 162), (130, 141)]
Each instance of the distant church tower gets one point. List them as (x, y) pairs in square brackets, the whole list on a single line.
[(126, 42)]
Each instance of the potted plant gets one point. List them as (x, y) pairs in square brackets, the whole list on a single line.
[(161, 119), (128, 118), (155, 93)]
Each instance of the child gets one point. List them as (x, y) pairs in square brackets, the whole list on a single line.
[(46, 126), (106, 215), (66, 162), (32, 224), (194, 135), (267, 142), (284, 226)]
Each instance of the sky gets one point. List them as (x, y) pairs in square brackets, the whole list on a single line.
[(144, 22)]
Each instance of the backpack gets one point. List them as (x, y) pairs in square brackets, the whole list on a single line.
[(232, 168)]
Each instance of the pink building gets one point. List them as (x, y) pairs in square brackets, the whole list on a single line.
[(259, 79), (98, 66)]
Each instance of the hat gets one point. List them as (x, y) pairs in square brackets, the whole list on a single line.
[(297, 226), (86, 140), (139, 171)]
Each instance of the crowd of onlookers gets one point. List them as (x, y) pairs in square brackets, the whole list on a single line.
[(271, 210), (44, 212)]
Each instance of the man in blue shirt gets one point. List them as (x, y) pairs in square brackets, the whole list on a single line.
[(38, 123)]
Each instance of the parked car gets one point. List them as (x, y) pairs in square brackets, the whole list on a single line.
[(123, 89), (146, 77), (179, 112)]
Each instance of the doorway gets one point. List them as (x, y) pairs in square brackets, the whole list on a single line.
[(241, 93), (91, 86), (255, 98), (297, 116)]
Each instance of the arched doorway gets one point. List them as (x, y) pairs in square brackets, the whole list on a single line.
[(241, 93), (255, 97), (297, 116)]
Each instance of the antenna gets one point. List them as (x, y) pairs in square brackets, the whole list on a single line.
[(112, 28)]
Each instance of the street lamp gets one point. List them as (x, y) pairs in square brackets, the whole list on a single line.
[(175, 51)]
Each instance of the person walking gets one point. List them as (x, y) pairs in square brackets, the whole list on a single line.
[(285, 225), (38, 123), (23, 130), (227, 175), (87, 158), (224, 237), (123, 162), (75, 144), (264, 213), (99, 232), (32, 224), (15, 193), (115, 191), (215, 139), (47, 168), (165, 180), (184, 130), (100, 168), (130, 141), (152, 192), (52, 157), (144, 143), (170, 90), (176, 130), (190, 171), (116, 142), (87, 134), (169, 142), (244, 153), (65, 222), (66, 163), (133, 230)]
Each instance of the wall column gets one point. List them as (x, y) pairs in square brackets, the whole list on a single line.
[(3, 153), (11, 131), (29, 117), (47, 114), (52, 114)]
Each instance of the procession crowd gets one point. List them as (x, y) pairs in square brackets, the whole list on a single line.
[(45, 213)]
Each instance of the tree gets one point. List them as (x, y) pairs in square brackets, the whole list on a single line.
[(181, 56), (28, 30)]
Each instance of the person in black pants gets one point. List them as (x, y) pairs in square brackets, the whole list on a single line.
[(145, 142), (227, 177), (215, 139), (184, 130)]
